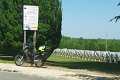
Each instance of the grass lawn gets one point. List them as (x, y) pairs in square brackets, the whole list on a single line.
[(6, 59), (71, 63), (83, 64)]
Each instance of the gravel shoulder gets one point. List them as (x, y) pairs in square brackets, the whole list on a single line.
[(58, 72)]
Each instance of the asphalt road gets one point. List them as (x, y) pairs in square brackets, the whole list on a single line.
[(18, 76)]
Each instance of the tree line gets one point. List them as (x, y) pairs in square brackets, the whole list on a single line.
[(90, 44)]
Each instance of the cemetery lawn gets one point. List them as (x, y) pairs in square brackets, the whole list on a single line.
[(73, 63), (6, 59)]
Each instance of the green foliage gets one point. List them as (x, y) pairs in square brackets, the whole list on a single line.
[(90, 44), (11, 23), (116, 17)]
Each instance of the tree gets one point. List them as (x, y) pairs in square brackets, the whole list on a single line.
[(11, 23), (116, 17)]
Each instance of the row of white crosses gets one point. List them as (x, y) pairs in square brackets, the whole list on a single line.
[(102, 56)]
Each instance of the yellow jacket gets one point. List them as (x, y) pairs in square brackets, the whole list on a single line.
[(41, 48)]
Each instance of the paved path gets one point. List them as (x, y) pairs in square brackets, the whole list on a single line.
[(18, 76), (51, 73)]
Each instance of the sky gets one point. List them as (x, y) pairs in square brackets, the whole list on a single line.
[(89, 19)]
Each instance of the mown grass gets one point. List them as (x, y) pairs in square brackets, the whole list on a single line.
[(83, 64), (6, 59), (71, 63)]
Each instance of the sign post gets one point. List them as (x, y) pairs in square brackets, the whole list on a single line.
[(24, 39), (30, 21), (34, 40)]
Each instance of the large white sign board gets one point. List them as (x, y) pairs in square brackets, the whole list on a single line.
[(30, 17)]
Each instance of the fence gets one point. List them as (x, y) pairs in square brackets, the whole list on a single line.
[(101, 56)]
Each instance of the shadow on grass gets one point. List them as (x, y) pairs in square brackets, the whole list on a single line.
[(7, 58), (96, 66)]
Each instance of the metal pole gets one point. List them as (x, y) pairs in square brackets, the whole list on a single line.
[(24, 38), (106, 41), (34, 40)]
